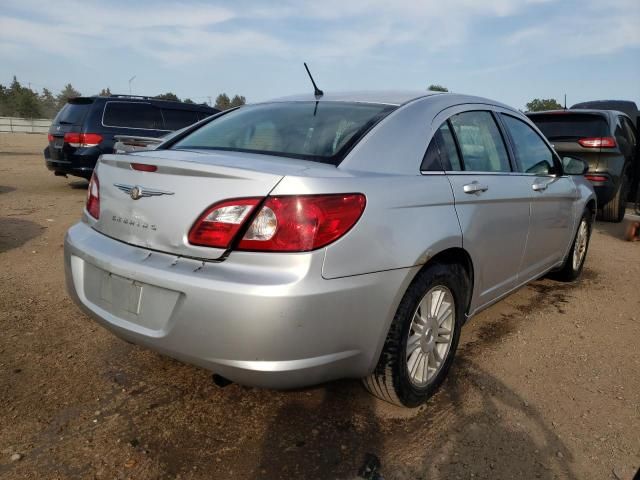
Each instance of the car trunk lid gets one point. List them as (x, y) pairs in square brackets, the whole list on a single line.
[(184, 185)]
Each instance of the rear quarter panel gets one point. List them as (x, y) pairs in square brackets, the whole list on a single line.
[(407, 220)]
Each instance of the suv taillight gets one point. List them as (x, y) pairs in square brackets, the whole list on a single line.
[(82, 139), (296, 223), (598, 142), (93, 197)]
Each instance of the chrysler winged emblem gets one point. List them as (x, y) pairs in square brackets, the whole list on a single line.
[(136, 192)]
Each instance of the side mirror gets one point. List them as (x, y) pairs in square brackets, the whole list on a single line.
[(574, 166)]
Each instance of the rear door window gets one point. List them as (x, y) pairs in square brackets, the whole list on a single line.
[(132, 115), (175, 119), (480, 142), (442, 153), (571, 126), (73, 113), (532, 153)]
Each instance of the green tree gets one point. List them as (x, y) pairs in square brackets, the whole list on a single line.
[(168, 96), (28, 104), (238, 100), (105, 92), (4, 95), (437, 88), (67, 92), (188, 100), (48, 103), (223, 102), (542, 104)]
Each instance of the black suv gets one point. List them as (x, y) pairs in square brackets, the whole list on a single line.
[(84, 128), (607, 140)]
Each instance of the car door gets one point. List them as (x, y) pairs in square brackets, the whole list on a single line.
[(552, 197), (491, 202)]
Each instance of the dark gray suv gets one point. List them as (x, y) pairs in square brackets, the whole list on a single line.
[(607, 141)]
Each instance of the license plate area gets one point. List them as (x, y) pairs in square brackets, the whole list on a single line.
[(58, 142), (125, 293), (139, 303)]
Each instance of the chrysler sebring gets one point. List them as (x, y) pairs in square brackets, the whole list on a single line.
[(312, 238)]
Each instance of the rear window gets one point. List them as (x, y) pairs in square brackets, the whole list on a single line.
[(320, 131), (570, 126), (73, 113), (177, 119), (132, 115)]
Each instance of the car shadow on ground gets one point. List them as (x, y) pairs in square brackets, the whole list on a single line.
[(79, 184), (470, 428), (15, 232)]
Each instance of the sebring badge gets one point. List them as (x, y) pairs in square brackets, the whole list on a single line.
[(136, 191)]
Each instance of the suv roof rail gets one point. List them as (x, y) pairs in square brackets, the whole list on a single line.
[(122, 95)]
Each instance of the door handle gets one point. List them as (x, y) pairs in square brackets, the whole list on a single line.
[(475, 187), (539, 187)]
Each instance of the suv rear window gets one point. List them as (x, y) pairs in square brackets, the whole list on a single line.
[(132, 115), (570, 126), (320, 131), (73, 113)]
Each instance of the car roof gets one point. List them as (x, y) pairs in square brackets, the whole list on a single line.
[(385, 97)]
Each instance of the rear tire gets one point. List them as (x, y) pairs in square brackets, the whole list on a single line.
[(572, 267), (423, 337), (614, 209)]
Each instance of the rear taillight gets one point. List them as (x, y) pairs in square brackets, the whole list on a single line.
[(595, 178), (598, 142), (93, 197), (219, 224), (50, 137), (283, 223), (82, 139), (302, 223)]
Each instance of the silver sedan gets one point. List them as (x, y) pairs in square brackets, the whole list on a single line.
[(307, 239)]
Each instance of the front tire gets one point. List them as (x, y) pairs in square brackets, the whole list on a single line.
[(572, 267), (423, 337)]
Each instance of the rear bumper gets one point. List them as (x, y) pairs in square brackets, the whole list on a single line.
[(78, 165), (261, 320), (605, 190)]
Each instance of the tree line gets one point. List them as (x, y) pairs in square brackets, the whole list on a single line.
[(17, 100)]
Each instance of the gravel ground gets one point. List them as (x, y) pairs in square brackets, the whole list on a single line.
[(546, 384)]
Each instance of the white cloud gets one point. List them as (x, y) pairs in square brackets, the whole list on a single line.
[(195, 31)]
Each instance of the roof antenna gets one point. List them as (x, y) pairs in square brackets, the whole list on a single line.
[(317, 92), (565, 101)]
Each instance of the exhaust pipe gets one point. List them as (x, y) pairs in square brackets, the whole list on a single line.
[(220, 381)]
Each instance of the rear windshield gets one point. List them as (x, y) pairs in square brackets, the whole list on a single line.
[(73, 113), (569, 126), (319, 131)]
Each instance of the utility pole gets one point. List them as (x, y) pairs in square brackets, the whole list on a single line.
[(131, 80)]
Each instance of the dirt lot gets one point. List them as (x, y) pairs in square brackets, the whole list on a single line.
[(546, 385)]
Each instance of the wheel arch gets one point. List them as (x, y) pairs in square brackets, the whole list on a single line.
[(456, 256)]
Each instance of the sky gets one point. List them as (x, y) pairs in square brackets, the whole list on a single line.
[(507, 50)]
